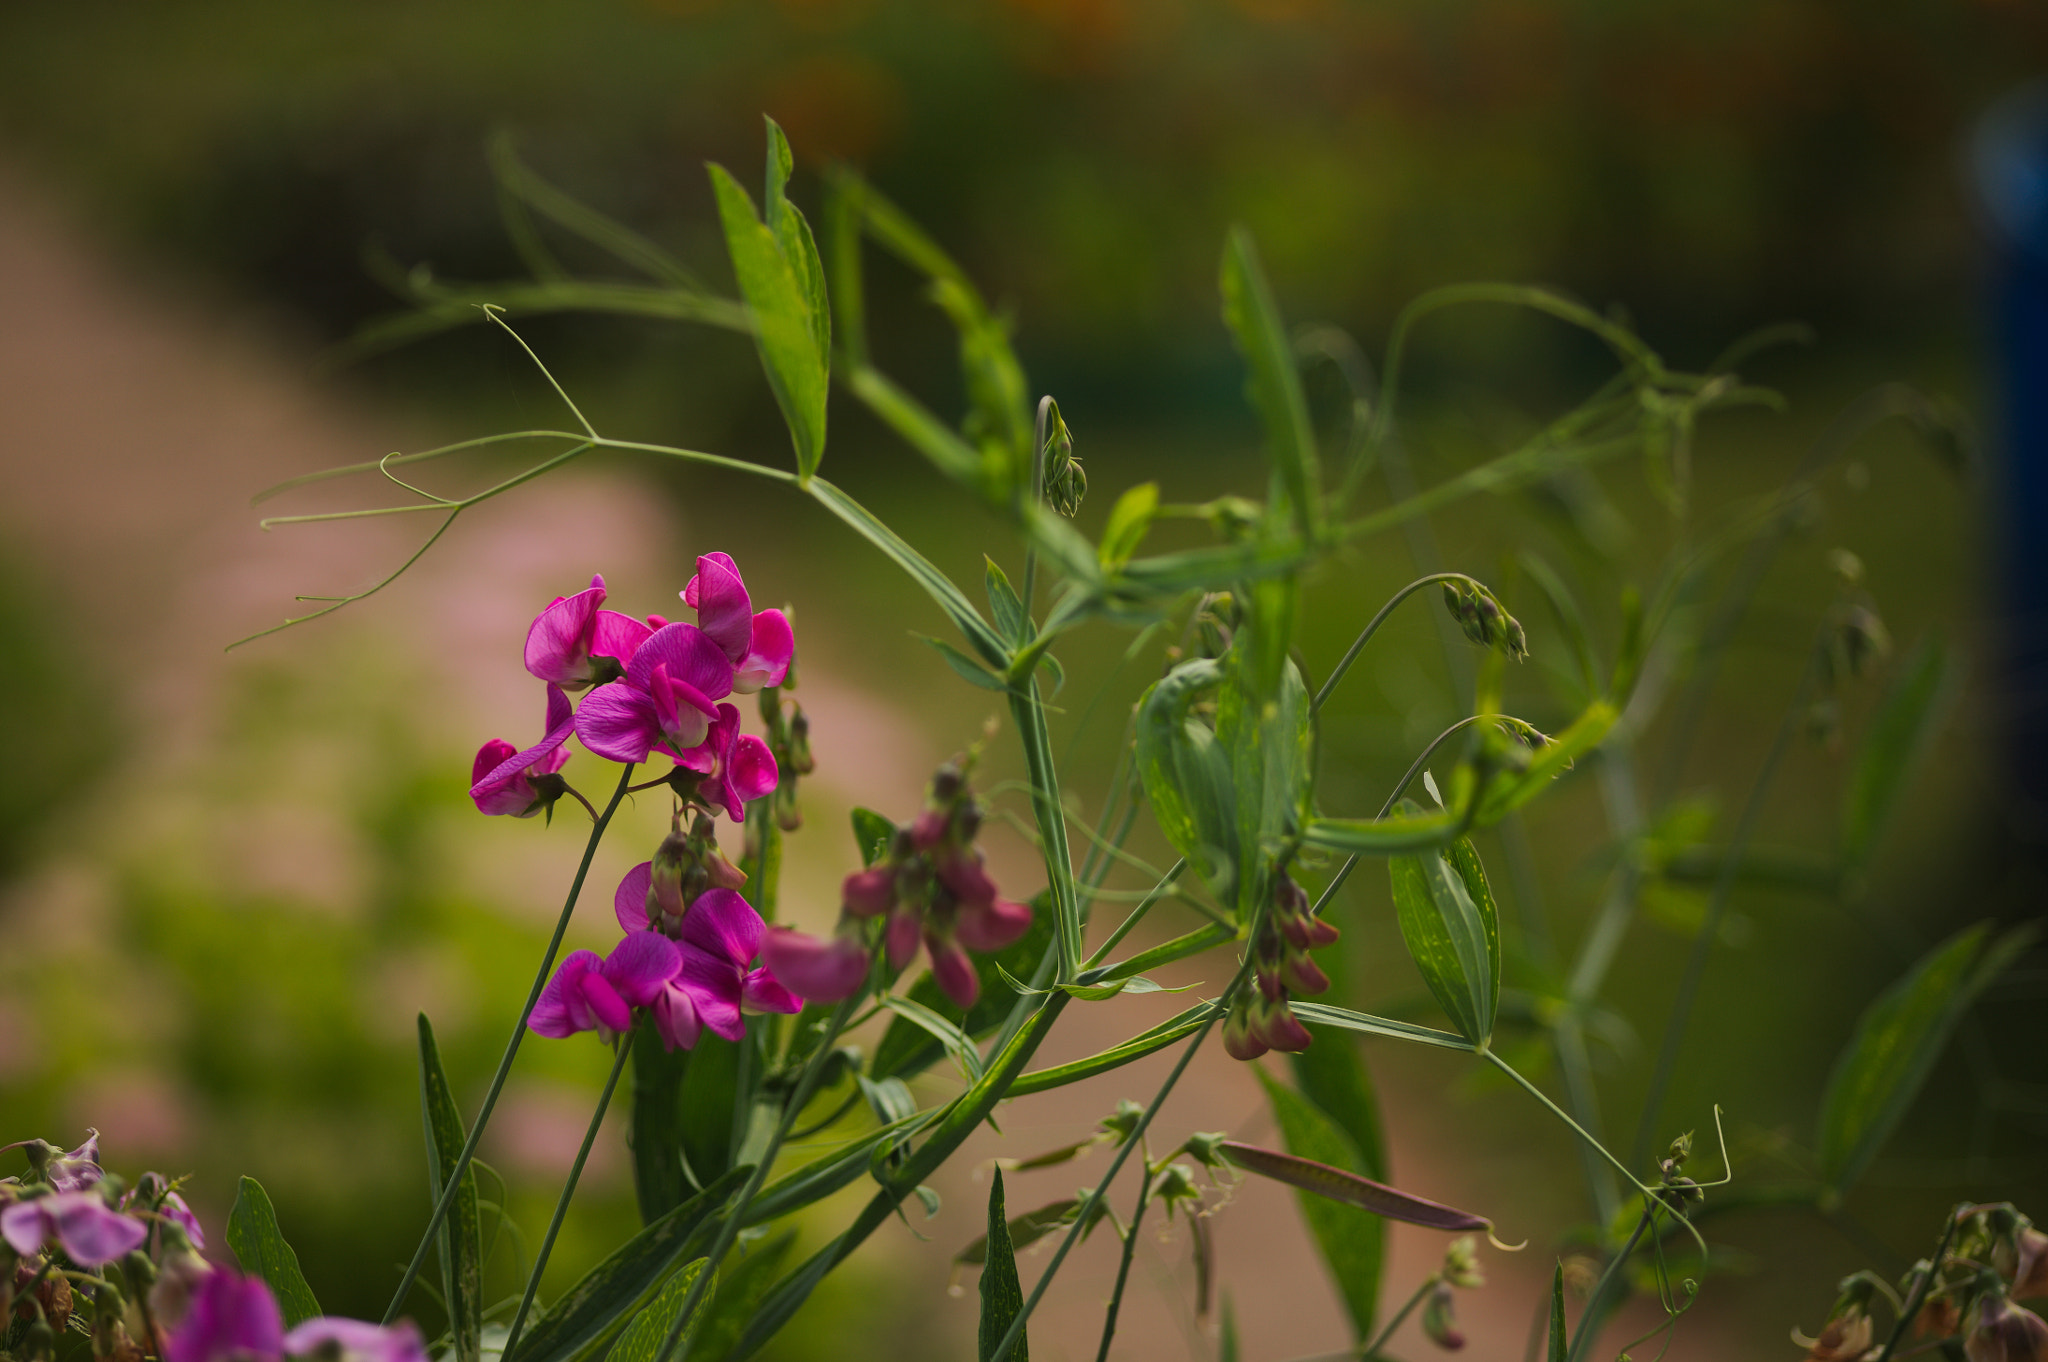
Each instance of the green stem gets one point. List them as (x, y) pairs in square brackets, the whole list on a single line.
[(1415, 767), (1371, 1350), (1373, 626), (1158, 892), (1911, 1310), (1123, 1267), (547, 1243), (1029, 712), (1596, 1303), (483, 1116)]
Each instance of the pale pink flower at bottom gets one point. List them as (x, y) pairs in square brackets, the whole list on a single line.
[(330, 1338)]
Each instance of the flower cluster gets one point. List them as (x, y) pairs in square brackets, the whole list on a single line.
[(656, 688), (72, 1229), (1282, 966), (930, 886), (1483, 620), (687, 957)]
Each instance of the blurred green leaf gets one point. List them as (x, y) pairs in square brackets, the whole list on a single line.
[(1391, 836), (1353, 1246), (746, 1278), (1896, 1043), (967, 667), (1275, 379), (1320, 1014), (957, 1043), (1004, 606), (1024, 1230), (710, 1095), (641, 1339), (1129, 519), (793, 236), (261, 1250), (657, 1122), (872, 833), (784, 330), (611, 1292), (461, 1233), (1332, 1074), (1584, 734), (1558, 1350), (1186, 773), (1449, 937), (1002, 1294), (1270, 743), (1899, 732)]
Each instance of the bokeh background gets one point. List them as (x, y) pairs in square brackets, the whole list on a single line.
[(228, 881)]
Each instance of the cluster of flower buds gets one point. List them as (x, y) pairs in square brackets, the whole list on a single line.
[(687, 958), (69, 1228), (1282, 966), (789, 742), (1483, 619), (1439, 1310), (656, 688), (930, 886), (1065, 482), (1963, 1305)]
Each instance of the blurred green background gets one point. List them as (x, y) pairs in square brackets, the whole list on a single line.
[(1706, 168)]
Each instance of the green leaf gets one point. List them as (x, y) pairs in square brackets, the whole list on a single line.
[(1274, 383), (844, 1166), (1129, 519), (1002, 1295), (1186, 774), (1897, 1041), (1899, 733), (461, 1233), (1136, 1048), (1353, 1246), (872, 833), (262, 1252), (843, 194), (793, 237), (1270, 745), (642, 1338), (906, 1048), (1558, 1350), (1332, 1074), (1584, 734), (1129, 983), (1005, 607), (1025, 1230), (710, 1094), (948, 1033), (1227, 1347), (968, 668), (747, 1277), (657, 1125), (1464, 858), (783, 328), (610, 1292), (1449, 939), (1321, 1014), (1392, 836)]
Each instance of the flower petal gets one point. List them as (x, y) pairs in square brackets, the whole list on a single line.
[(714, 988), (618, 721), (489, 758), (691, 657), (231, 1319), (993, 927), (617, 636), (899, 938), (558, 643), (91, 1233), (675, 1017), (23, 1225), (724, 925), (629, 900), (750, 770), (560, 1011), (611, 1011), (964, 874), (720, 600), (761, 991), (953, 971), (822, 971), (769, 654), (639, 965), (174, 1206)]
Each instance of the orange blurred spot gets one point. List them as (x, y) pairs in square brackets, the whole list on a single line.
[(836, 106)]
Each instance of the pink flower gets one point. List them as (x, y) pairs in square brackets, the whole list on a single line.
[(353, 1340), (502, 779), (84, 1227), (588, 993), (717, 981), (953, 970), (231, 1318), (667, 701), (573, 643), (761, 646), (985, 921), (822, 971), (737, 767)]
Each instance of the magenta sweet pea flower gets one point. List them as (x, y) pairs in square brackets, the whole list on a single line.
[(333, 1339), (591, 993), (720, 936), (574, 643), (824, 971), (667, 701), (89, 1232), (737, 767), (231, 1318), (760, 646), (502, 779)]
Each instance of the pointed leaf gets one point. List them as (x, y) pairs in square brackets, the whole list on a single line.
[(1136, 1048), (461, 1233), (1129, 519), (1464, 858), (1349, 1189), (642, 1338), (1322, 1167), (1558, 1350), (1002, 1295), (1899, 733), (966, 666), (261, 1250), (1319, 1014), (1004, 606), (1897, 1041), (783, 329), (1448, 938), (957, 1042), (793, 236), (920, 569), (1274, 383), (748, 1275), (1025, 1230), (610, 1292), (872, 833)]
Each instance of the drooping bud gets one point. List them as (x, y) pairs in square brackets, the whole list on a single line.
[(2003, 1332), (1238, 1041), (1124, 1120), (1065, 482), (1439, 1319)]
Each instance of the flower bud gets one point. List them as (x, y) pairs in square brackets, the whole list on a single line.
[(929, 829), (1301, 974), (1439, 1319), (869, 893), (953, 971), (2003, 1332), (1124, 1120), (1238, 1040), (1461, 1263), (1277, 1027), (899, 937)]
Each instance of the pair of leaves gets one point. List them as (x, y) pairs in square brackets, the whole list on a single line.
[(1452, 930), (261, 1250), (781, 277), (1896, 1043), (461, 1234)]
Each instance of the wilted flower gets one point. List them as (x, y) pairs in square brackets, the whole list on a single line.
[(89, 1232), (507, 781), (1844, 1339), (573, 643), (2003, 1332)]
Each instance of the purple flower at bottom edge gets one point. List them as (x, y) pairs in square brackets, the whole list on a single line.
[(84, 1227), (231, 1318), (589, 993), (502, 779), (354, 1340)]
